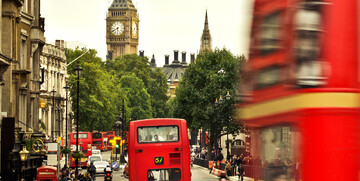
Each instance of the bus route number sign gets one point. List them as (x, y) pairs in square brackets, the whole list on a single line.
[(159, 160)]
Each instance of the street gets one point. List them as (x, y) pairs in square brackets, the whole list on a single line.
[(198, 173)]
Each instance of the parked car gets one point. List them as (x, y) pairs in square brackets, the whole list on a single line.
[(100, 166), (96, 152), (94, 158)]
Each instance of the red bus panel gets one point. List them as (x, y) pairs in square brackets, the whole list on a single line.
[(159, 148)]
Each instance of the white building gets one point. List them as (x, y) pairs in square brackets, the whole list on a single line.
[(52, 111)]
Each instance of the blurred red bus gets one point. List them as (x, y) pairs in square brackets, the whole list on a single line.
[(85, 141), (97, 140), (159, 149), (302, 79)]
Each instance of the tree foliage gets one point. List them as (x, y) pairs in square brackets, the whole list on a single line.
[(99, 92), (154, 80), (106, 86), (213, 74)]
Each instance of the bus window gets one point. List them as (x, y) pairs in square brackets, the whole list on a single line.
[(81, 135), (155, 134), (164, 174)]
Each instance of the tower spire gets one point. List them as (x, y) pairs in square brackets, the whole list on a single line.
[(206, 18), (205, 43)]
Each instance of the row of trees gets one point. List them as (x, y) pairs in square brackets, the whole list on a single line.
[(104, 86)]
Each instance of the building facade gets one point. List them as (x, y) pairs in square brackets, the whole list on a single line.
[(22, 40), (122, 29), (53, 95)]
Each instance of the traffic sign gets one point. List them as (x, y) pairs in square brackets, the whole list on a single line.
[(114, 165)]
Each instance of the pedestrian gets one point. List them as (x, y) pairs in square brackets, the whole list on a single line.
[(91, 170), (228, 169), (241, 172)]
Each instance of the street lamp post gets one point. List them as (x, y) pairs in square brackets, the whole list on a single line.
[(219, 102), (59, 119), (53, 107), (227, 133), (66, 128), (78, 70)]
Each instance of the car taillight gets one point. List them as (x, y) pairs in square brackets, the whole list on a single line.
[(108, 174)]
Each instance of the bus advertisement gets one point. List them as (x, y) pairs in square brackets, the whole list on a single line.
[(147, 138)]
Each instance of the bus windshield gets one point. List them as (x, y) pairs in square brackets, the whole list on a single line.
[(81, 136), (156, 134)]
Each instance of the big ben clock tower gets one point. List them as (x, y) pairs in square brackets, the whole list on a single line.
[(122, 29)]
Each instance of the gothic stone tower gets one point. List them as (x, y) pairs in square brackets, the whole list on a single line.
[(122, 29), (205, 42)]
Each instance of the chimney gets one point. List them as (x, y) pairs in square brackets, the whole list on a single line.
[(176, 56), (166, 60), (141, 52), (183, 57), (192, 57)]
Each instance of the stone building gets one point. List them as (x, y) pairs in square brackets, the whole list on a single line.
[(53, 95), (21, 42)]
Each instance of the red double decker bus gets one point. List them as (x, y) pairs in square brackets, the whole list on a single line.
[(159, 150), (302, 79), (97, 140), (85, 141)]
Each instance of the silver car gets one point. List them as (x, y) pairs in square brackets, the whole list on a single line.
[(100, 166)]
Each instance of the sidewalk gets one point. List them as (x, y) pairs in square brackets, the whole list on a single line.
[(235, 178), (232, 178)]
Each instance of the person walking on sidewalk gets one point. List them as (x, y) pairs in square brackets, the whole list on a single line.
[(241, 172), (228, 169)]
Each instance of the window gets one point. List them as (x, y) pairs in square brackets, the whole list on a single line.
[(156, 134), (96, 136), (172, 174), (267, 77), (308, 30), (270, 34), (96, 142), (279, 146), (23, 54), (81, 135)]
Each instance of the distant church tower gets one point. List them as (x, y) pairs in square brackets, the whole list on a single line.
[(205, 42), (122, 29)]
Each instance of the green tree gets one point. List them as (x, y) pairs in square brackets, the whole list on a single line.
[(139, 99), (154, 80), (100, 94), (213, 74)]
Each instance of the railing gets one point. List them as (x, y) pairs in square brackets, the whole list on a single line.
[(256, 172)]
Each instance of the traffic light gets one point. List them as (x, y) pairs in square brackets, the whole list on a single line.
[(117, 146)]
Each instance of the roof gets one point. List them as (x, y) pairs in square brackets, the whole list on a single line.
[(122, 5), (174, 72)]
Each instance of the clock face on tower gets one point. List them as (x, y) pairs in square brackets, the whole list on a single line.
[(134, 29), (117, 28)]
